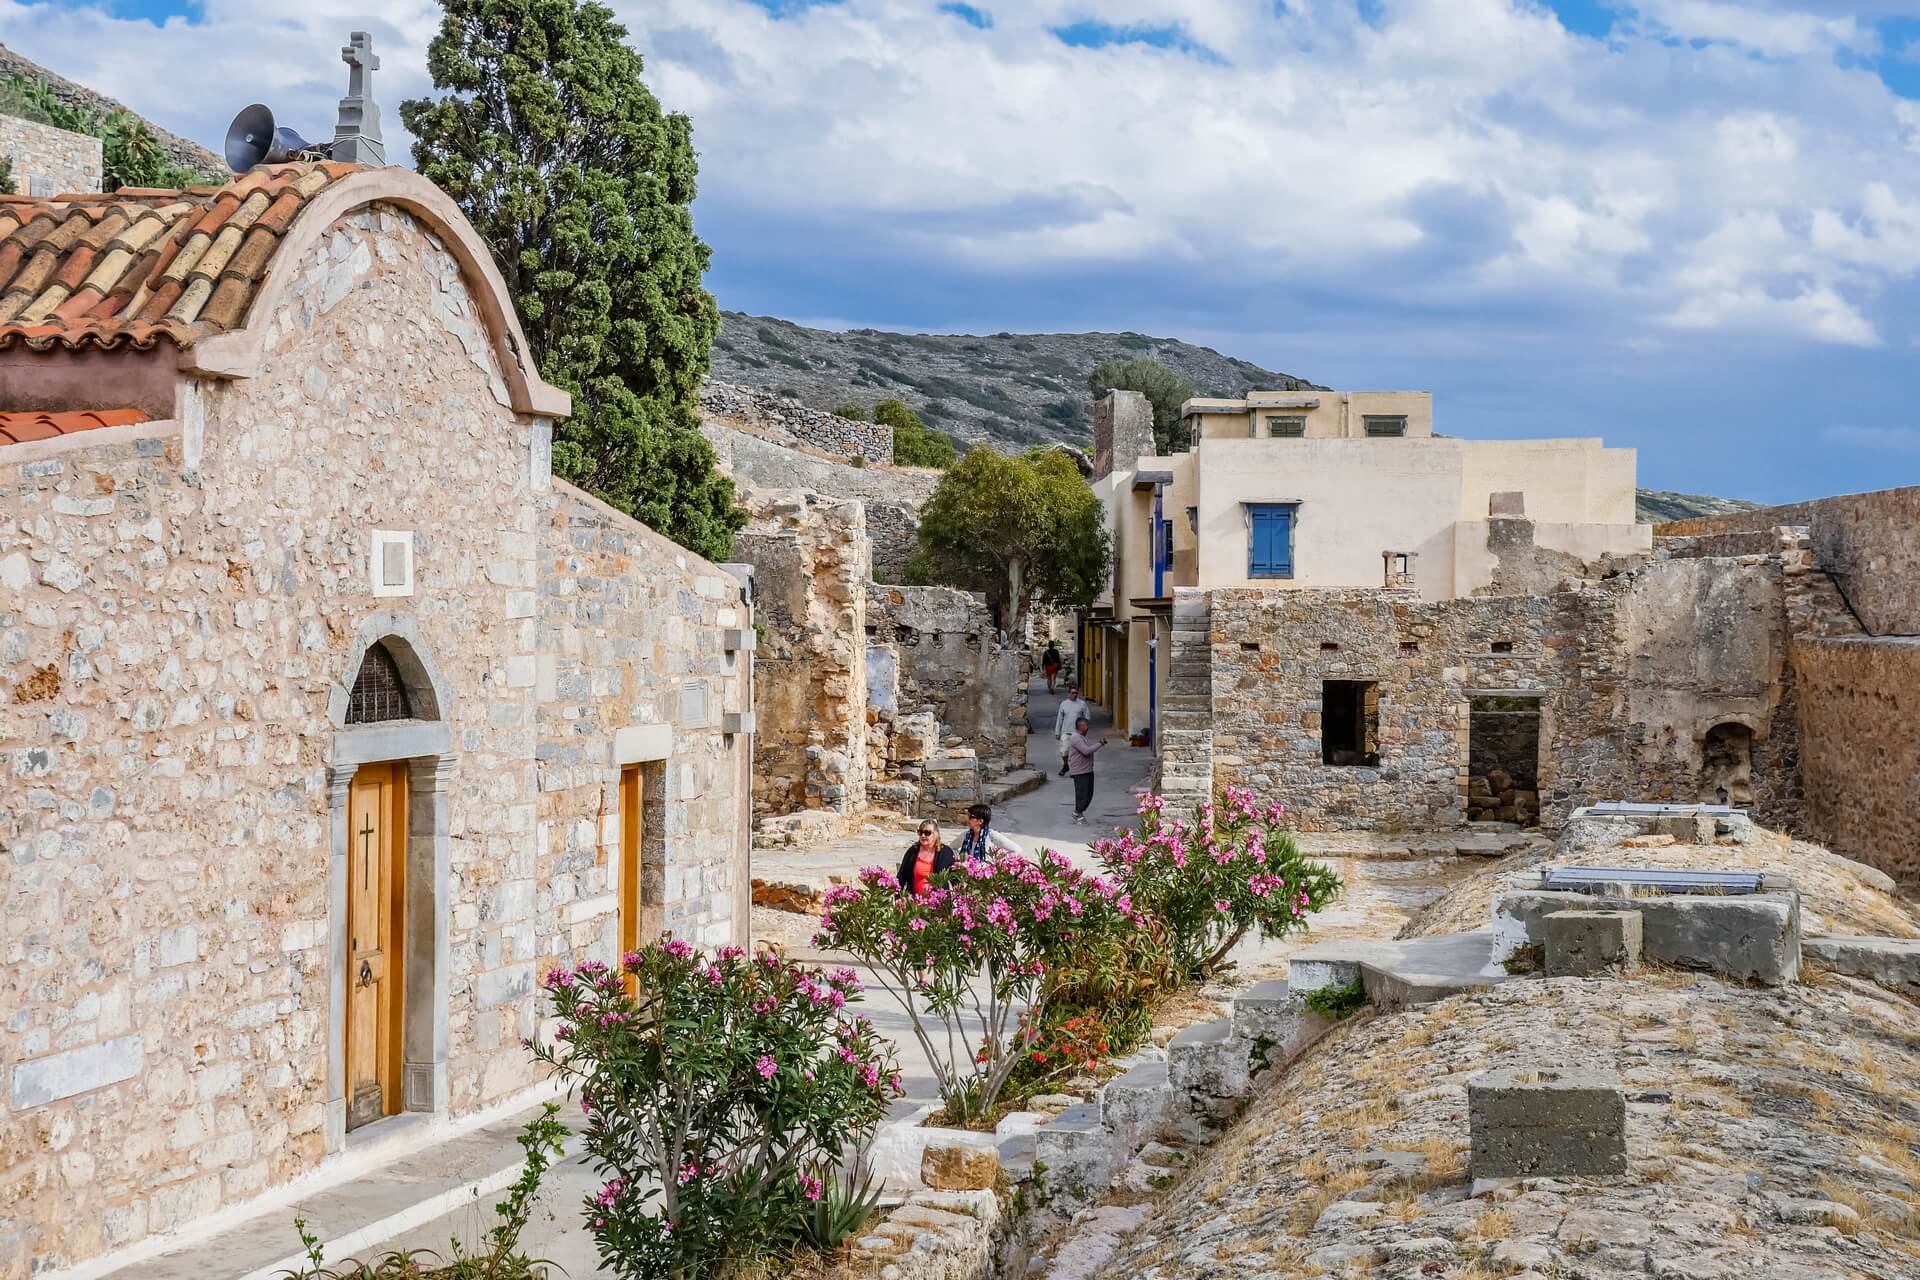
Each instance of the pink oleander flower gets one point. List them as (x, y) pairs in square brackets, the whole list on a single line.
[(712, 974), (732, 952), (766, 1066), (870, 1074), (1222, 905), (688, 1172), (630, 959), (609, 1193), (811, 1187), (678, 949)]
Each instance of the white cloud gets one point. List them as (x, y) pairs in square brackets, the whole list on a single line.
[(1888, 439), (1464, 152)]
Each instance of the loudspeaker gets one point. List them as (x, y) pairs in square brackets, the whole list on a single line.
[(253, 140)]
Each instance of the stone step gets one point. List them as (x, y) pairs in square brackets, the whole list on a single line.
[(1263, 1008), (1136, 1105), (1892, 962), (1207, 1065), (1079, 1151)]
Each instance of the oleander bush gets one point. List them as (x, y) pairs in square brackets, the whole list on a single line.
[(720, 1095)]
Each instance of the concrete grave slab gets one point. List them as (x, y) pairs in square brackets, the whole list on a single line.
[(1546, 1122)]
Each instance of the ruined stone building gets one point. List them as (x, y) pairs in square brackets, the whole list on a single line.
[(868, 695), (1328, 490), (328, 719)]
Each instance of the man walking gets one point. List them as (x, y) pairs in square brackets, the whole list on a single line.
[(1072, 708), (1080, 749), (981, 840), (1050, 664)]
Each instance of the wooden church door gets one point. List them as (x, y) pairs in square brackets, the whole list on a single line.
[(376, 845)]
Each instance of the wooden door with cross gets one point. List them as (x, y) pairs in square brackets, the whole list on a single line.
[(376, 846)]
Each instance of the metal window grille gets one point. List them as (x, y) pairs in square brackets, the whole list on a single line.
[(1288, 424), (378, 693), (1382, 424)]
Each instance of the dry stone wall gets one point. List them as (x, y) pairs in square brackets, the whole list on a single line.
[(181, 616), (789, 422), (49, 161)]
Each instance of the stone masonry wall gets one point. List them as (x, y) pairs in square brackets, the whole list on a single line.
[(1860, 756), (949, 664), (1631, 674), (893, 496), (174, 642), (810, 574), (49, 161), (790, 422), (628, 623), (1868, 542)]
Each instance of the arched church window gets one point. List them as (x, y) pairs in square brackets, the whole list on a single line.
[(378, 692)]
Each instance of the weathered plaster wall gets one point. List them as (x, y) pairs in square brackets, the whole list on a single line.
[(1869, 543), (176, 634), (49, 161)]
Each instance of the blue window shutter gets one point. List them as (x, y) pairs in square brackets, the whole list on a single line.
[(1270, 549)]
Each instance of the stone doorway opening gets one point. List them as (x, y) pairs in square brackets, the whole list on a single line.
[(1726, 765), (1503, 759), (389, 768), (1350, 722)]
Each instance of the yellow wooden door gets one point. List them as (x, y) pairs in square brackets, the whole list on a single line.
[(630, 841), (376, 843)]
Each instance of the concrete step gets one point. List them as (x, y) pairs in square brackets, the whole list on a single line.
[(1892, 962), (1207, 1064), (1397, 973), (1017, 783), (1080, 1153)]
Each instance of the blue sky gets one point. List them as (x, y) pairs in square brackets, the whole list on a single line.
[(1688, 226)]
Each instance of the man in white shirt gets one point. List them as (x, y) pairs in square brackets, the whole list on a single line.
[(1072, 707)]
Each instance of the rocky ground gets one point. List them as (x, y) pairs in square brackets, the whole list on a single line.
[(1771, 1133)]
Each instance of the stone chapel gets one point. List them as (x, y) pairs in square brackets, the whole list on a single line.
[(329, 720)]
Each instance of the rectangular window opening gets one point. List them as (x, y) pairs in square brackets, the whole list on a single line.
[(1503, 759), (1384, 424), (1409, 646), (1286, 425), (1503, 646), (1250, 646), (1328, 646), (1350, 722)]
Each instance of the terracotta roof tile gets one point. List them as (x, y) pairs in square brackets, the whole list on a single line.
[(139, 266), (18, 428)]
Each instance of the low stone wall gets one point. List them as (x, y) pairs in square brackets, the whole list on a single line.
[(791, 422), (49, 161), (1859, 700), (1869, 542)]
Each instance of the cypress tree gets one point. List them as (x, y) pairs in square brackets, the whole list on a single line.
[(562, 158)]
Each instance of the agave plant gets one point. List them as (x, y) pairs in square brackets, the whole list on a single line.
[(841, 1211)]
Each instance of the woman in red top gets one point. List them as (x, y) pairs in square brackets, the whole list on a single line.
[(925, 858)]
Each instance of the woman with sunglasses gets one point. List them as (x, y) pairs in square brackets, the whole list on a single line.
[(925, 858)]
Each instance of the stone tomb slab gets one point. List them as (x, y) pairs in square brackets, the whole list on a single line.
[(1582, 944), (1546, 1123)]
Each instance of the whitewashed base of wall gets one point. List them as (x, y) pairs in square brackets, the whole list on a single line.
[(1070, 1178)]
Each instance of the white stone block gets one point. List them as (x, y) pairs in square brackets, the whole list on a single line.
[(179, 946), (303, 934), (77, 1071), (522, 671)]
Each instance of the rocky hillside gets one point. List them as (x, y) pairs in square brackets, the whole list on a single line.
[(1007, 389), (1656, 505)]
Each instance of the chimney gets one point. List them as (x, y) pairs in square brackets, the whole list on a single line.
[(356, 136)]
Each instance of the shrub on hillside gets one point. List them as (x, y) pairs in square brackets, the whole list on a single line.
[(914, 443), (719, 1094)]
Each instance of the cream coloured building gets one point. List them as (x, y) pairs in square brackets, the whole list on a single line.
[(1329, 489)]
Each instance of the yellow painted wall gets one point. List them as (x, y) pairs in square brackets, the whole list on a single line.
[(1339, 415), (1568, 481)]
